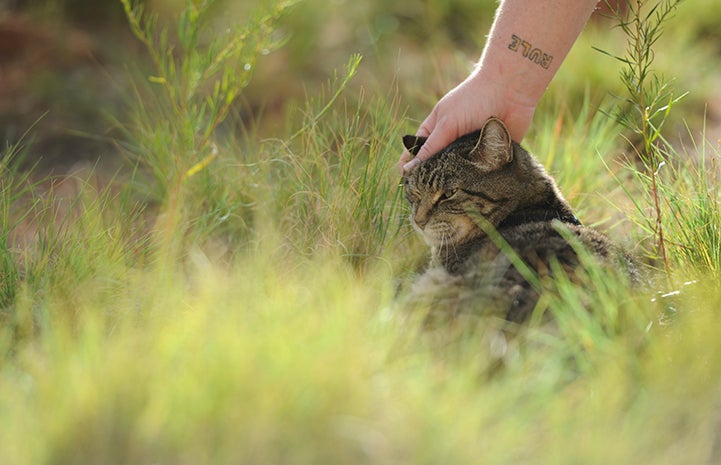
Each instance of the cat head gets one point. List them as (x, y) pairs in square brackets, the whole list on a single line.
[(476, 175), (490, 148)]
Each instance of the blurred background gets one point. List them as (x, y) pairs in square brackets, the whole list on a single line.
[(66, 65)]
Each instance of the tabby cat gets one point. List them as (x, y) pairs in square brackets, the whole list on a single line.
[(486, 182)]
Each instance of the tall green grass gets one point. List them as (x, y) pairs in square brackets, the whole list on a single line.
[(691, 206), (11, 191), (334, 184), (198, 73), (234, 299)]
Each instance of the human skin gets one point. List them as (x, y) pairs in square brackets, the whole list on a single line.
[(526, 45)]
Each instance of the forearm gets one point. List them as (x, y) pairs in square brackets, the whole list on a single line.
[(528, 42)]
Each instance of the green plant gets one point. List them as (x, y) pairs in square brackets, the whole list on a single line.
[(11, 189), (199, 71), (571, 142), (692, 198), (649, 96), (333, 182)]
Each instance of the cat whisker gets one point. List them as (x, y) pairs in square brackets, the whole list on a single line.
[(449, 245)]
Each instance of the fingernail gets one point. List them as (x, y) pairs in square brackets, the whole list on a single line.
[(411, 164)]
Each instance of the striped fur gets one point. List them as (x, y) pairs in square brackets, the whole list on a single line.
[(483, 180)]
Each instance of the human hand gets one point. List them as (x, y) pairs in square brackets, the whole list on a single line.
[(465, 109)]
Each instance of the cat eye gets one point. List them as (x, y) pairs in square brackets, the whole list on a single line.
[(446, 195)]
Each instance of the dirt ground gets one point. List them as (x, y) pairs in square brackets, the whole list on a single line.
[(60, 87), (57, 93)]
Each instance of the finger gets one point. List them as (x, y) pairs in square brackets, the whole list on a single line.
[(428, 125), (426, 130), (406, 162), (436, 141)]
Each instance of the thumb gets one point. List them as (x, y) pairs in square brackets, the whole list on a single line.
[(406, 157)]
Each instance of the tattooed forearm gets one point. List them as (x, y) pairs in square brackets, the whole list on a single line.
[(536, 55)]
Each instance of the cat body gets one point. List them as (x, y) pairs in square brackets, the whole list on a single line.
[(481, 204)]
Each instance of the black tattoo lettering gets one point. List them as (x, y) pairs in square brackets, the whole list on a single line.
[(536, 55), (526, 48), (516, 41)]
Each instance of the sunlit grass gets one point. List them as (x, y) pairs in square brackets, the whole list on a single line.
[(258, 319), (692, 205), (287, 359)]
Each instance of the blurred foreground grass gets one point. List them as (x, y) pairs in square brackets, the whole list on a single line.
[(233, 297), (271, 363)]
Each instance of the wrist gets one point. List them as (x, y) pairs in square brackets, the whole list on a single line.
[(512, 86), (503, 100)]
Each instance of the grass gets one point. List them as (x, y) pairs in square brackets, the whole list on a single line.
[(233, 297)]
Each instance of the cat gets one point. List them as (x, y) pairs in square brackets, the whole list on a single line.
[(482, 194)]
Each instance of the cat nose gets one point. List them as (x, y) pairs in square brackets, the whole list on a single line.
[(420, 219)]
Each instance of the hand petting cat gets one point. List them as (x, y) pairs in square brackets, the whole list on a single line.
[(526, 45), (461, 110)]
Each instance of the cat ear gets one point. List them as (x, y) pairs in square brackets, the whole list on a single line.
[(413, 143), (494, 149)]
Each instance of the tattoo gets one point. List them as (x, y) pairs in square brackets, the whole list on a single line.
[(536, 55)]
